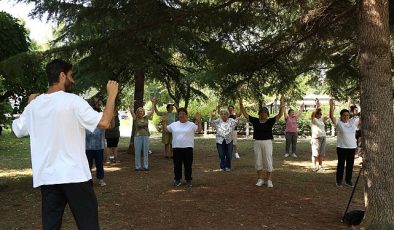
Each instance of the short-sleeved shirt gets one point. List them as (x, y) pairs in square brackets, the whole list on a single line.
[(224, 130), (95, 139), (141, 126), (182, 134), (114, 132), (171, 117), (56, 123), (346, 134), (262, 130), (318, 128)]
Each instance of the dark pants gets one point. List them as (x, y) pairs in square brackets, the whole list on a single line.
[(291, 139), (79, 196), (98, 156), (225, 153), (185, 156), (345, 155)]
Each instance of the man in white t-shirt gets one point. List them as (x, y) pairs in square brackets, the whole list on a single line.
[(56, 123)]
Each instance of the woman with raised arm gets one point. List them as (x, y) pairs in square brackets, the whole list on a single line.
[(224, 137), (166, 137), (346, 144), (263, 137), (141, 135), (318, 139), (291, 131), (234, 115), (182, 144)]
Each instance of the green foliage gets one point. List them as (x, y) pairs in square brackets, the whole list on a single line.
[(23, 75), (13, 37), (20, 70)]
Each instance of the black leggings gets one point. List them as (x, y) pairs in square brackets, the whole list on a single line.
[(345, 155), (185, 156)]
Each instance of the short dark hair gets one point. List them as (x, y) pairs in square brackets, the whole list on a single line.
[(290, 110), (343, 111), (182, 110), (353, 107), (168, 105), (54, 68), (230, 106)]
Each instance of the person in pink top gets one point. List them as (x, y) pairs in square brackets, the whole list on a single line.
[(291, 131)]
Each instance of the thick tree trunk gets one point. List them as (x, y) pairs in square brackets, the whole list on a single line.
[(139, 97), (377, 113)]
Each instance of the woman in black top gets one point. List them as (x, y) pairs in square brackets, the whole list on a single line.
[(262, 134)]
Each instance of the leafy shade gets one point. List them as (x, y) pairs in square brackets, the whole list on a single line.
[(13, 37), (23, 75)]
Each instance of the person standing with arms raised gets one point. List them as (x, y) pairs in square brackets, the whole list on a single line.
[(56, 122), (346, 144), (263, 137), (182, 144), (166, 138), (318, 138)]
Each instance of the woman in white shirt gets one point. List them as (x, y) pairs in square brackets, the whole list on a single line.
[(182, 144), (224, 137), (318, 140), (346, 144)]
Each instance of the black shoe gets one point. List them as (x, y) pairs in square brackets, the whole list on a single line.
[(349, 184), (146, 169), (177, 183), (339, 184), (189, 183), (137, 169)]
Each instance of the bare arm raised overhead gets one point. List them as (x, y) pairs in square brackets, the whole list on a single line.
[(282, 108), (131, 108), (332, 109), (150, 113), (112, 92), (241, 107)]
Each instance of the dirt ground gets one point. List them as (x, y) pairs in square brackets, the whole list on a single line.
[(300, 198)]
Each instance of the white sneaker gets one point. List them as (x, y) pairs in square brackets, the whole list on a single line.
[(150, 151), (269, 184), (260, 182), (102, 183), (294, 155), (237, 156), (286, 155)]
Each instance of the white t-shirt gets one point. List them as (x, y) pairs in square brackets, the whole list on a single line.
[(56, 124), (318, 128), (346, 134), (182, 134)]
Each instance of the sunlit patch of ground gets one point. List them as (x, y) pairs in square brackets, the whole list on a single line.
[(16, 172)]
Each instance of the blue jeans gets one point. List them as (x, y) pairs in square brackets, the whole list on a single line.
[(225, 153), (98, 156), (141, 143)]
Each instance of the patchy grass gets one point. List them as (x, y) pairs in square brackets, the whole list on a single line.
[(300, 198)]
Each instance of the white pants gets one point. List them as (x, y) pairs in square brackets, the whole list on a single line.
[(235, 136), (263, 155)]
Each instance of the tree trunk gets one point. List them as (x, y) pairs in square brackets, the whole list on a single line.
[(377, 113), (139, 98)]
